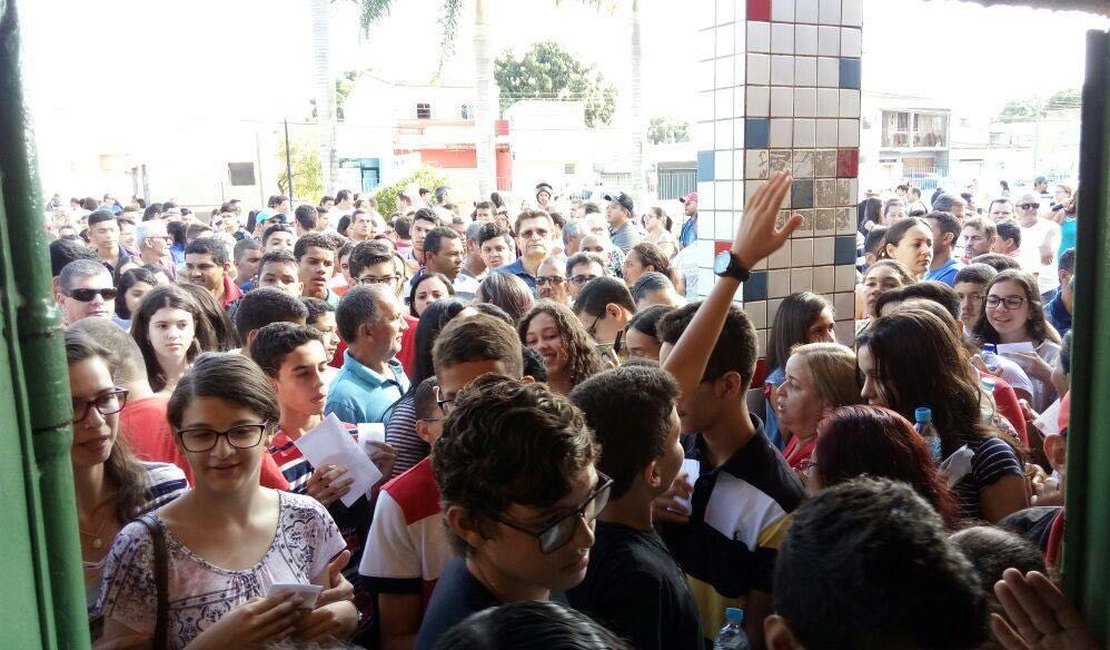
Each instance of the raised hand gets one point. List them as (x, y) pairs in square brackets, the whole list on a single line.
[(1044, 619)]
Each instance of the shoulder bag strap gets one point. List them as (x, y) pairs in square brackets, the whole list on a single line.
[(161, 580)]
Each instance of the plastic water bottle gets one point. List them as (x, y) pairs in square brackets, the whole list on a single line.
[(732, 636), (989, 355), (924, 417), (986, 402)]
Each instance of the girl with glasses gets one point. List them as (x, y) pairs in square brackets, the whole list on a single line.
[(112, 488), (228, 539), (1013, 313)]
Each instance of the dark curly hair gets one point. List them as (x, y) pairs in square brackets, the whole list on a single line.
[(583, 360), (509, 442)]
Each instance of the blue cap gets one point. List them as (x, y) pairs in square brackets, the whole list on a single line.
[(734, 615), (923, 414)]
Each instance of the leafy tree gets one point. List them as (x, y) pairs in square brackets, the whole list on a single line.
[(343, 87), (667, 130), (1028, 109), (547, 71), (423, 177), (308, 179)]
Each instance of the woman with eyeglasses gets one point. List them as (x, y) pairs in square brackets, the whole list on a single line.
[(111, 486), (428, 289), (171, 331), (228, 540), (568, 351), (1013, 313)]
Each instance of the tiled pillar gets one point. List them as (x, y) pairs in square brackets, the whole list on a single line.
[(780, 84)]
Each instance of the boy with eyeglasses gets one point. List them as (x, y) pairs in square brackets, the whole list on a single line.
[(515, 468), (605, 306)]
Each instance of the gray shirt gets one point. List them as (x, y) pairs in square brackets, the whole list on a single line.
[(625, 237)]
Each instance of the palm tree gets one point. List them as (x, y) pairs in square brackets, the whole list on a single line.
[(325, 90), (486, 101)]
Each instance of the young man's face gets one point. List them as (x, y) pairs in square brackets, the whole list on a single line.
[(300, 384), (452, 379), (1001, 210), (604, 327), (534, 238), (362, 227), (971, 295), (941, 244), (203, 271), (279, 241), (484, 214), (280, 276), (317, 265), (448, 260), (690, 208), (420, 229), (328, 205), (104, 236), (669, 464), (247, 265), (496, 252), (384, 273), (127, 235), (580, 274), (325, 324)]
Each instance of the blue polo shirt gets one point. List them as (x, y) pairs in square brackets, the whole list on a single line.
[(358, 394), (946, 273), (1058, 314), (689, 233), (516, 268)]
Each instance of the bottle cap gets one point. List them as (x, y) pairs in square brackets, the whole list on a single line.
[(734, 615), (989, 347), (923, 414)]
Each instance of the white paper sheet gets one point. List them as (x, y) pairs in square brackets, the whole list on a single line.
[(1010, 348), (691, 467), (370, 432), (1049, 421), (307, 593), (330, 444)]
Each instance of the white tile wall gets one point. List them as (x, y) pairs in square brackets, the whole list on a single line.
[(782, 70), (758, 101), (782, 38), (759, 70), (759, 36), (782, 102)]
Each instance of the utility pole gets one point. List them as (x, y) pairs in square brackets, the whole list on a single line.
[(288, 163)]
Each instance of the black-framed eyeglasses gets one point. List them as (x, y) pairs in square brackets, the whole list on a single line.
[(370, 279), (592, 329), (1010, 302), (580, 280), (559, 533), (242, 436), (545, 280), (87, 295), (106, 404), (446, 405)]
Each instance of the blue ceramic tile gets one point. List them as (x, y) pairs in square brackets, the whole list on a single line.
[(705, 166), (844, 250), (850, 73), (801, 195), (756, 286), (757, 132)]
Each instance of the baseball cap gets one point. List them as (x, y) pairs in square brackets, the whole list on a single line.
[(623, 199), (692, 196)]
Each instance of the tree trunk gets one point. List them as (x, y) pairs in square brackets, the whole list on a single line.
[(325, 93), (637, 125), (485, 104)]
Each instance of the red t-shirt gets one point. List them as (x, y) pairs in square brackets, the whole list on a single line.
[(143, 424), (795, 455), (1007, 402)]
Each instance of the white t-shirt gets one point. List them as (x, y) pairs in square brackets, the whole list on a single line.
[(1043, 234)]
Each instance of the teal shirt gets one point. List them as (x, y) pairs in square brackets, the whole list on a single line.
[(358, 394), (1067, 235)]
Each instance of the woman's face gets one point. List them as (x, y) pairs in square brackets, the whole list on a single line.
[(429, 291), (892, 214), (544, 337), (95, 433), (879, 280), (135, 295), (633, 268), (1010, 323), (797, 401), (871, 391), (171, 332), (223, 467), (915, 250), (823, 328), (641, 345)]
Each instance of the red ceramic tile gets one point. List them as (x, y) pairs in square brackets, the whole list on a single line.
[(759, 10), (721, 247), (847, 163)]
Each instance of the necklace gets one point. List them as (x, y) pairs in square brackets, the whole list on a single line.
[(97, 542)]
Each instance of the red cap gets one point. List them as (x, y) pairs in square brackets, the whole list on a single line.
[(692, 196)]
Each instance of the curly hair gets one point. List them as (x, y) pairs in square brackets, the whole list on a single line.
[(1037, 326), (508, 442), (583, 360)]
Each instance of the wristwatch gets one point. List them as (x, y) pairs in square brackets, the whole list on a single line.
[(728, 265)]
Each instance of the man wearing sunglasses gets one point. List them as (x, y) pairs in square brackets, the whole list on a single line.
[(1040, 239), (86, 291), (515, 468)]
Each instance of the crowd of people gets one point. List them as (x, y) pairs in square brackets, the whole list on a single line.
[(575, 449)]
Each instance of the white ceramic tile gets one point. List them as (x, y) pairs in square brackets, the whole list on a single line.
[(782, 38), (724, 40), (805, 39), (781, 133), (828, 40), (824, 278), (704, 17), (830, 12), (758, 101), (703, 75), (759, 36), (804, 132), (772, 309), (805, 102), (823, 250), (723, 196), (853, 190), (761, 343), (802, 164), (852, 13), (722, 103), (738, 195), (778, 283), (705, 193), (726, 11), (705, 105), (738, 131), (749, 191), (738, 99), (782, 11), (707, 44), (844, 304), (722, 165), (849, 103), (724, 72), (826, 133), (737, 166), (805, 71), (801, 252), (755, 164), (828, 72), (828, 102), (782, 70), (851, 42), (845, 277), (759, 70), (703, 135), (722, 135), (801, 279), (757, 313), (723, 225), (780, 259), (739, 66), (846, 331), (806, 11), (849, 133), (782, 102)]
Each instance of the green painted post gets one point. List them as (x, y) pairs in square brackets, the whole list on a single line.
[(1087, 537), (37, 365)]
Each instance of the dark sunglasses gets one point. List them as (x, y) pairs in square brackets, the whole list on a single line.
[(1029, 206), (86, 295)]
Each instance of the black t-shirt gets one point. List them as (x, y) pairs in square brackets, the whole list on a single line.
[(634, 587), (457, 595)]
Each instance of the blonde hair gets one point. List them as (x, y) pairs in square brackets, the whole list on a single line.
[(833, 367)]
